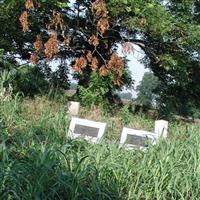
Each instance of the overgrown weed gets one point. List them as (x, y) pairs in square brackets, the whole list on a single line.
[(38, 161)]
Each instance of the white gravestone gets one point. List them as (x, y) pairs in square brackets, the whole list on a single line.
[(87, 129), (161, 128), (137, 138), (73, 108)]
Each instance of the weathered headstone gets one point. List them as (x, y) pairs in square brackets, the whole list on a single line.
[(161, 128), (73, 108), (87, 129), (137, 138)]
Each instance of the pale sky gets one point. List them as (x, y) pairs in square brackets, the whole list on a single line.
[(137, 69), (135, 66)]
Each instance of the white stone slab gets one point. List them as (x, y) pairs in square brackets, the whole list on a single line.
[(137, 138), (161, 128), (87, 129), (73, 108)]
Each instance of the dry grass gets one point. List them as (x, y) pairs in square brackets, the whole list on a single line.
[(35, 108)]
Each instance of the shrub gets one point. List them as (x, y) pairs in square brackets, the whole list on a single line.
[(125, 115), (30, 81), (96, 93)]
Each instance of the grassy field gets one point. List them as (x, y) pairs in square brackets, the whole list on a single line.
[(37, 161)]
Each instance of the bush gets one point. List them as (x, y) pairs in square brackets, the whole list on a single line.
[(30, 81), (96, 92), (125, 115)]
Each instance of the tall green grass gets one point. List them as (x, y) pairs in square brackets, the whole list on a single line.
[(37, 161)]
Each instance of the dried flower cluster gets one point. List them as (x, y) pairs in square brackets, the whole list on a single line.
[(93, 40), (24, 15), (99, 8), (57, 20), (24, 21), (51, 46), (29, 4), (94, 64), (56, 23), (33, 58), (100, 11), (103, 25), (80, 64), (118, 81), (38, 45), (116, 65), (89, 56), (103, 71)]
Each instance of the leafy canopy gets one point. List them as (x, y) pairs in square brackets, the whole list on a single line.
[(169, 34)]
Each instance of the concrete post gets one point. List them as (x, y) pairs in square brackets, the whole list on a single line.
[(161, 128), (73, 108)]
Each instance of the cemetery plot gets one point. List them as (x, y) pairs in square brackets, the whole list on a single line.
[(87, 129), (137, 138)]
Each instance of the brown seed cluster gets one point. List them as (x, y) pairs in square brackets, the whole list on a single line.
[(24, 15), (51, 46), (99, 8), (80, 64), (24, 21), (100, 11), (103, 71), (34, 58), (94, 64), (93, 40), (38, 45), (103, 25), (89, 56), (29, 4), (116, 65), (58, 20)]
